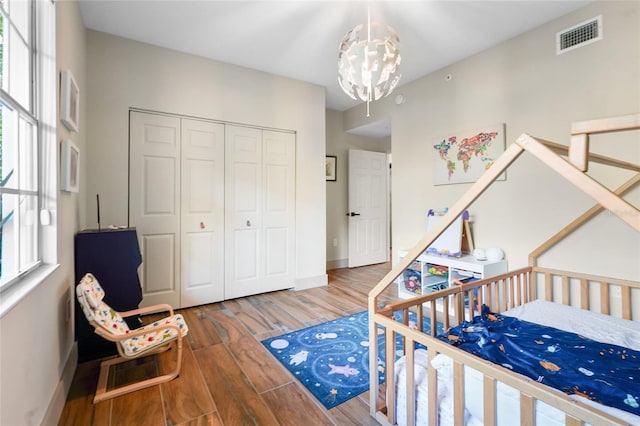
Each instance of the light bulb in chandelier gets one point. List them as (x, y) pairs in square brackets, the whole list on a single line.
[(369, 62)]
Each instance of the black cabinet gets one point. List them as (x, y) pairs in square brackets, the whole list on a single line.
[(113, 257)]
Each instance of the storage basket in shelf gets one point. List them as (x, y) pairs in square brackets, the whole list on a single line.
[(412, 278)]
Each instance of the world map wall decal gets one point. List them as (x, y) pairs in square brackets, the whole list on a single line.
[(462, 157)]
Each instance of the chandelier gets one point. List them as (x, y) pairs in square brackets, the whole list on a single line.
[(368, 62)]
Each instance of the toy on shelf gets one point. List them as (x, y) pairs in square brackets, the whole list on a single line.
[(438, 270)]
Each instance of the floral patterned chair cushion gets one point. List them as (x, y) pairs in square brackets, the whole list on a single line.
[(154, 338), (90, 295)]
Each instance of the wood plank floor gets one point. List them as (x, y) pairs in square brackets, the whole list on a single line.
[(228, 377)]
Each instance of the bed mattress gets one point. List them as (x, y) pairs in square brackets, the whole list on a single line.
[(603, 328)]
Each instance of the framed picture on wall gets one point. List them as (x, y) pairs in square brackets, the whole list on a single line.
[(330, 168), (69, 167), (463, 156), (69, 101)]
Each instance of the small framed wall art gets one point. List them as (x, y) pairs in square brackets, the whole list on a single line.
[(69, 101), (330, 168), (69, 166)]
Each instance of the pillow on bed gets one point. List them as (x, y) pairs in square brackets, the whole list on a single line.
[(593, 325)]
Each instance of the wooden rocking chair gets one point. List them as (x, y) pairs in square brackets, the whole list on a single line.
[(147, 340)]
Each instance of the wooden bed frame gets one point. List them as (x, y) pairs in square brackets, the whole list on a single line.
[(507, 291)]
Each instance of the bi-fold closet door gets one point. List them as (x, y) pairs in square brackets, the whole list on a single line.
[(260, 215), (213, 207)]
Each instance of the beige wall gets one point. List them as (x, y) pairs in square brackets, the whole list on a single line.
[(37, 357), (523, 84), (125, 74), (339, 143)]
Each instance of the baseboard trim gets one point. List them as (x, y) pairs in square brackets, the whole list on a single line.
[(337, 264), (311, 282), (56, 405)]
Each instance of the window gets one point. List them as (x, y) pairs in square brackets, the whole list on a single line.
[(19, 143)]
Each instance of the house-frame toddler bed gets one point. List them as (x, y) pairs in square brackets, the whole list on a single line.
[(510, 291)]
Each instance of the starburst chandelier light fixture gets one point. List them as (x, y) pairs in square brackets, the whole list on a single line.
[(369, 62)]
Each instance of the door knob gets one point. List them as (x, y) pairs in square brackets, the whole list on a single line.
[(353, 214), (202, 225), (248, 223)]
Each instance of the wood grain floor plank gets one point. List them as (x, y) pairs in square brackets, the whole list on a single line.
[(316, 301), (344, 304), (238, 305), (201, 331), (237, 401), (186, 397), (286, 402), (79, 408), (279, 318), (289, 301), (102, 414), (252, 318), (138, 408), (352, 412), (262, 369), (206, 420)]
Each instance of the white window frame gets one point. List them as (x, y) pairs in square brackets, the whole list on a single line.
[(43, 117)]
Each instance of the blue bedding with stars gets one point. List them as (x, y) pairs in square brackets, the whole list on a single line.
[(605, 373)]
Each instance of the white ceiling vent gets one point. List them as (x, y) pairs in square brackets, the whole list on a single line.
[(579, 35)]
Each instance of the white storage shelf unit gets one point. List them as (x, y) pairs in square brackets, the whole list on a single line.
[(431, 273)]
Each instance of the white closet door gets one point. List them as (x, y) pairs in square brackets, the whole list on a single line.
[(202, 211), (278, 214), (259, 200), (154, 203)]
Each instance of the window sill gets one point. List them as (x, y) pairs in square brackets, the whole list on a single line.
[(18, 291)]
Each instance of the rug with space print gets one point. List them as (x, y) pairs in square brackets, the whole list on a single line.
[(332, 359)]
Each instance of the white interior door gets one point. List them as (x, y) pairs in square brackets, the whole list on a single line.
[(259, 201), (154, 203), (202, 213), (368, 214)]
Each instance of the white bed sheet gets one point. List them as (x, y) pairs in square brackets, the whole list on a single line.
[(593, 325)]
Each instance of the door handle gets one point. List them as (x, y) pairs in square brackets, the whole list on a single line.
[(353, 214)]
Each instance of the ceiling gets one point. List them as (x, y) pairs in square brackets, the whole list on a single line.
[(300, 39)]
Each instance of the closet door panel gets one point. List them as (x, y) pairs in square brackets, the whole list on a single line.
[(202, 212), (246, 266), (243, 203), (154, 203), (278, 214), (276, 252), (159, 277)]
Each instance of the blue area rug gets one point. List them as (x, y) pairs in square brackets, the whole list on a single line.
[(332, 359)]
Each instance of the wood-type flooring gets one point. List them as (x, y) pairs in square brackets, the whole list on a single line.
[(228, 377)]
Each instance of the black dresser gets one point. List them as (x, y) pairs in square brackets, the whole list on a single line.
[(113, 257)]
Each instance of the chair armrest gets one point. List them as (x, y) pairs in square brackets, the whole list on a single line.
[(133, 333), (147, 310)]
